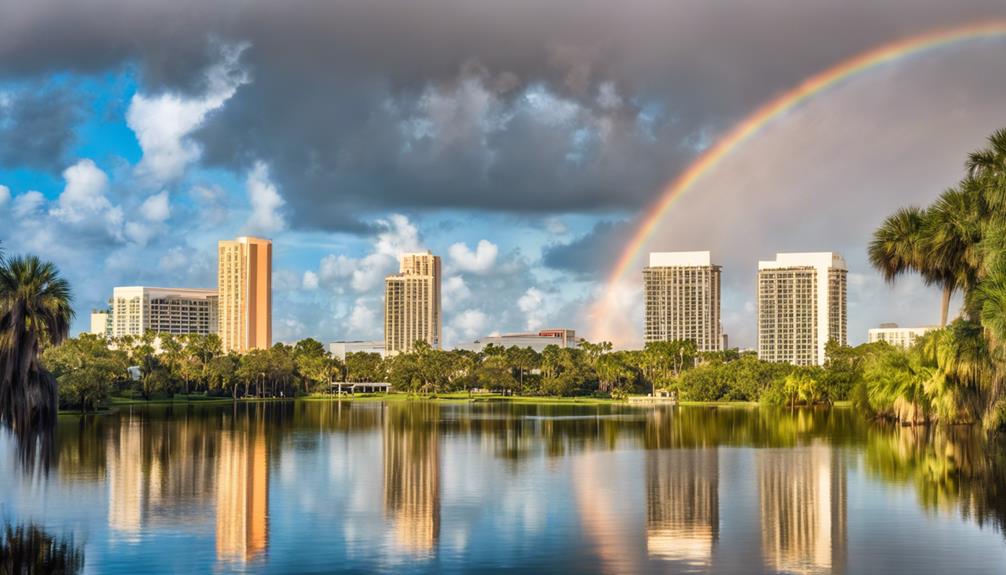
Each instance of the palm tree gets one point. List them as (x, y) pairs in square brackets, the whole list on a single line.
[(35, 312), (951, 236)]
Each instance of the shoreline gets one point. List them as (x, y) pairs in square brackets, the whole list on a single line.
[(117, 402)]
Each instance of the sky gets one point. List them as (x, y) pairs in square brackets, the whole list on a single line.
[(523, 142)]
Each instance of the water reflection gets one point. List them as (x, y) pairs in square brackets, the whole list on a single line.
[(413, 486), (412, 475), (803, 509), (242, 491), (682, 504)]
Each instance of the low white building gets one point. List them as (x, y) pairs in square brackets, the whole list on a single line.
[(101, 323), (903, 337), (536, 341), (178, 311), (340, 349)]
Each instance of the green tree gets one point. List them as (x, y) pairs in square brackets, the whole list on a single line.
[(35, 313), (85, 370)]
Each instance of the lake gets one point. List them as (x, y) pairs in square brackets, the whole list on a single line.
[(315, 486)]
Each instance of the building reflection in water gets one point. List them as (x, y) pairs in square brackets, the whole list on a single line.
[(803, 509), (243, 492), (412, 475), (159, 473), (126, 478), (682, 504)]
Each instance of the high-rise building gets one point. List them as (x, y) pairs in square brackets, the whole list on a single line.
[(682, 292), (801, 306), (903, 337), (412, 304), (178, 311), (244, 282)]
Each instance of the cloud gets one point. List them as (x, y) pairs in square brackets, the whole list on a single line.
[(470, 323), (532, 303), (310, 280), (592, 253), (162, 123), (479, 261), (454, 292), (266, 202), (28, 204), (84, 194), (37, 124), (156, 208), (4, 195)]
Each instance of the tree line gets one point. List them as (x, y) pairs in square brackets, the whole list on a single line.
[(956, 243)]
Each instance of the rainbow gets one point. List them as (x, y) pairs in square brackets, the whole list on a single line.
[(769, 111)]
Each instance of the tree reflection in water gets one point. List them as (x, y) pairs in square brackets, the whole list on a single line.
[(29, 549)]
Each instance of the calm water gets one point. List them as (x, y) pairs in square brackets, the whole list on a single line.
[(420, 487)]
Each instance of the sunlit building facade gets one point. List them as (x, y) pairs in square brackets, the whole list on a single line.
[(244, 283), (682, 298), (538, 341), (903, 337), (178, 311), (101, 323), (801, 306), (412, 304)]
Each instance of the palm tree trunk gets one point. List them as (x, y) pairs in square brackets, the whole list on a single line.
[(945, 309)]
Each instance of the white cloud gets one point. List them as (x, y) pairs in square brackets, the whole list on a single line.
[(399, 236), (174, 260), (156, 208), (28, 204), (455, 292), (335, 267), (479, 261), (266, 202), (471, 323), (310, 281), (532, 303), (163, 123), (363, 320), (4, 195), (84, 194)]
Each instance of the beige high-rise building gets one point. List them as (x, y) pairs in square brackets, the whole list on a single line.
[(801, 306), (244, 284), (682, 291), (412, 304), (178, 311)]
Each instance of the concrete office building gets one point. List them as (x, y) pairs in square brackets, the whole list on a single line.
[(903, 337), (178, 311), (537, 341), (412, 304), (341, 349), (682, 293), (244, 282), (801, 306)]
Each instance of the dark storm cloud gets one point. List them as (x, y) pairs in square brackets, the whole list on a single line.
[(520, 106), (592, 252), (36, 126)]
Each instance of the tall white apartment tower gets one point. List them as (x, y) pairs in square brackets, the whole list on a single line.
[(682, 292), (801, 306), (412, 304)]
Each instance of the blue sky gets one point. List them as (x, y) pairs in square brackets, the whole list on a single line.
[(518, 143)]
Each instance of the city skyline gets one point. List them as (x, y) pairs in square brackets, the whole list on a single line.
[(531, 166)]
